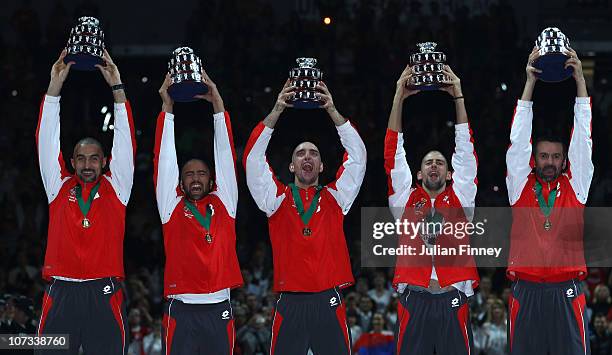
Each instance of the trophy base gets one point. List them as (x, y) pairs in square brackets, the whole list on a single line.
[(552, 67), (185, 91), (306, 104), (427, 87), (83, 62)]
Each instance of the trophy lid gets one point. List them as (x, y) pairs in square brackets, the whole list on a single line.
[(306, 62), (427, 47), (89, 20), (182, 50)]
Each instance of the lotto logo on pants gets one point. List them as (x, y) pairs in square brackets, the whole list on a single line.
[(213, 325), (92, 313), (433, 322), (548, 318), (314, 321)]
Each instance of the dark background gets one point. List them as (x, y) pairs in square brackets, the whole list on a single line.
[(248, 47)]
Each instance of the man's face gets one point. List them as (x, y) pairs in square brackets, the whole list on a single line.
[(306, 163), (549, 160), (195, 179), (88, 161), (599, 323), (434, 171)]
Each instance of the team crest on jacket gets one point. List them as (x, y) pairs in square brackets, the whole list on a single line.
[(72, 194), (419, 206), (187, 212)]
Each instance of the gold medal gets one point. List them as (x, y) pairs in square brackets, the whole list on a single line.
[(547, 224), (307, 232), (86, 223), (208, 238)]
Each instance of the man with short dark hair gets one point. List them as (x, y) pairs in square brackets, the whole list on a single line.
[(198, 213), (84, 256), (548, 190), (433, 313), (311, 260), (601, 341)]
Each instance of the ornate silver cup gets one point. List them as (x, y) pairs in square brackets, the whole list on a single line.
[(305, 78), (85, 45), (427, 67), (185, 69), (552, 45)]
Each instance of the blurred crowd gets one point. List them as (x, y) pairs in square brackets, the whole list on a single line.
[(361, 53)]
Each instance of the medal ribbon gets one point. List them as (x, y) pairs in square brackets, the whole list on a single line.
[(85, 206), (203, 220), (545, 207), (305, 215)]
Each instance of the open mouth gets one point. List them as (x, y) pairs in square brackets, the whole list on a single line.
[(196, 187), (88, 173), (307, 167), (434, 175)]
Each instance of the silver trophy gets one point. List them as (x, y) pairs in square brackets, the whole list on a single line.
[(427, 67), (305, 78), (85, 45), (185, 69), (552, 45)]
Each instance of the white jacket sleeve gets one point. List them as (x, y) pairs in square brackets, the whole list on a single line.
[(50, 159), (350, 175), (580, 150), (225, 163), (399, 176), (166, 171), (266, 190), (518, 156), (123, 152)]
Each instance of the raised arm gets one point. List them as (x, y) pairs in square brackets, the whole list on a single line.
[(266, 190), (124, 142), (399, 176), (518, 156), (464, 161), (581, 145), (350, 175), (225, 155), (52, 167)]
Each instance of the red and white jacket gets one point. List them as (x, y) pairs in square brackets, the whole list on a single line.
[(558, 254), (194, 266), (73, 251), (456, 203), (320, 261)]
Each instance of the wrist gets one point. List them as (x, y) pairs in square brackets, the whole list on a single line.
[(54, 89), (167, 107), (218, 106)]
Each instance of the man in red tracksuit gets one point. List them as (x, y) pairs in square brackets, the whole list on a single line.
[(433, 314), (548, 190), (311, 260), (198, 216), (84, 256)]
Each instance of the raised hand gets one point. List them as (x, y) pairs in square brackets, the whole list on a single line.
[(453, 83), (575, 63), (109, 70), (578, 74), (59, 73), (281, 103), (212, 95), (167, 102), (328, 104), (530, 69), (402, 91)]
